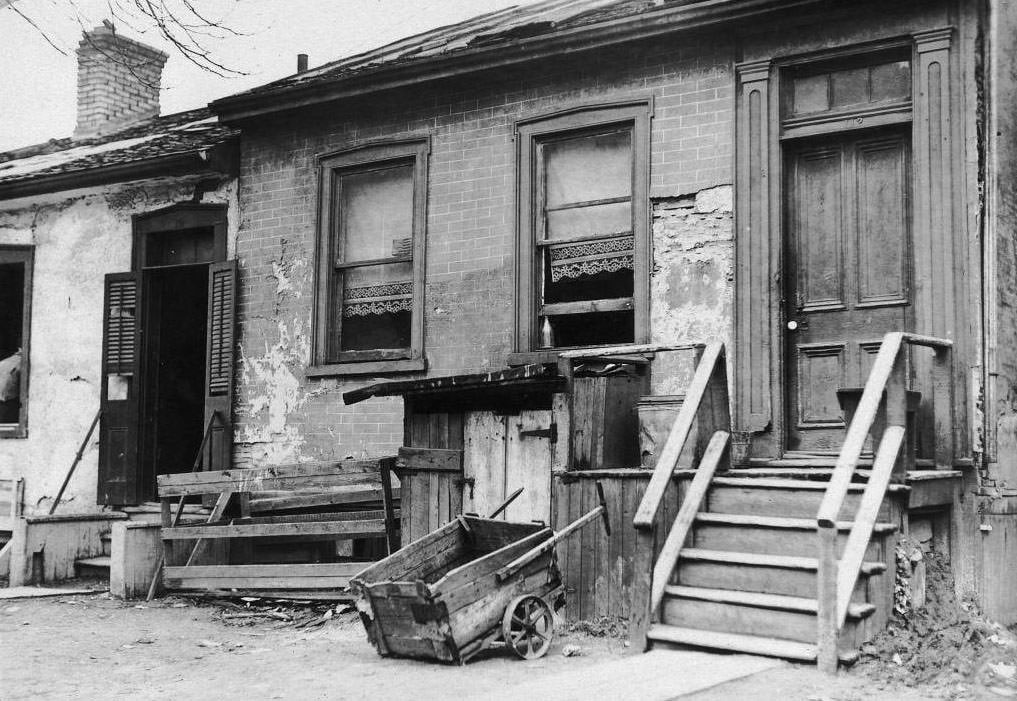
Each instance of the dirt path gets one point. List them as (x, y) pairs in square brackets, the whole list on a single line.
[(92, 647)]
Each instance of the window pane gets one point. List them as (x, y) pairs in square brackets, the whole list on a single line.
[(891, 81), (376, 209), (810, 94), (12, 308), (592, 329), (377, 307), (614, 218), (588, 168), (850, 87)]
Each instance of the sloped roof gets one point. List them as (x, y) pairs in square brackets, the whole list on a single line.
[(509, 35), (181, 135)]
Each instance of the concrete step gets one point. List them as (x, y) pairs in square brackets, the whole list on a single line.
[(756, 614), (774, 534), (792, 498), (733, 642), (93, 567), (760, 572)]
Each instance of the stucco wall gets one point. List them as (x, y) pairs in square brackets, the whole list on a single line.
[(469, 308), (77, 237)]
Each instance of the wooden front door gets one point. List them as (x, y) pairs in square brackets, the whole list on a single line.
[(847, 263), (503, 453)]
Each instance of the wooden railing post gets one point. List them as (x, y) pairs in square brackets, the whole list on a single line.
[(642, 587), (826, 600), (943, 408)]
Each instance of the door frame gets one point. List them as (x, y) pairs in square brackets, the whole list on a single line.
[(937, 208)]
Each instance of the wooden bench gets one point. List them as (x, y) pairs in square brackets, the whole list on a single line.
[(304, 502)]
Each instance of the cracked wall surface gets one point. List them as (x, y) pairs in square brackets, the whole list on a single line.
[(77, 237)]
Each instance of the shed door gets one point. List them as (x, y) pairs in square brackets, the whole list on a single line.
[(118, 433), (222, 296), (848, 262), (503, 453)]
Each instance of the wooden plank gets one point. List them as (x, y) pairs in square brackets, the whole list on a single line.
[(528, 465), (328, 569), (280, 582), (341, 495), (412, 560), (678, 436), (686, 516), (588, 306), (248, 475), (613, 555), (262, 482), (472, 580), (348, 529), (430, 459), (484, 461)]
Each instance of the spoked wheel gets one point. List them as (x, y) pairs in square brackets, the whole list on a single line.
[(528, 626)]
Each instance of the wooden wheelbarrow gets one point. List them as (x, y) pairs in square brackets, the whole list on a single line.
[(471, 585)]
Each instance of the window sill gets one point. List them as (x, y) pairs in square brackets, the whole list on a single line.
[(377, 367), (546, 357), (12, 431)]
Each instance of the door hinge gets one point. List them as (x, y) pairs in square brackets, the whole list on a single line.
[(467, 482), (551, 433)]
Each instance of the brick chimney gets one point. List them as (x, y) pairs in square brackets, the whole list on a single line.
[(118, 81)]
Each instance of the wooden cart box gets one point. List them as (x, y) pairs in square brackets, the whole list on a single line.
[(440, 598)]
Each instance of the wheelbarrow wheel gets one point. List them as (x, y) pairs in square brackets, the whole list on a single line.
[(528, 626)]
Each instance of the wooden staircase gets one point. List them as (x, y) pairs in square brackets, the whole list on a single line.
[(794, 563), (747, 579)]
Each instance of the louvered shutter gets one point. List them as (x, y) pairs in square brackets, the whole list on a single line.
[(222, 295), (119, 429)]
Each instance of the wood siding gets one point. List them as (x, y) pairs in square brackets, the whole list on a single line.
[(430, 498)]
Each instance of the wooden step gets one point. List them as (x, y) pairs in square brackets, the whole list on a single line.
[(734, 642), (780, 497), (749, 613), (774, 534), (769, 601), (764, 573)]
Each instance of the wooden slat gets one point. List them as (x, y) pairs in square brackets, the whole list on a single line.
[(686, 517), (265, 479), (865, 519), (349, 529), (430, 459), (331, 498), (678, 436), (316, 576)]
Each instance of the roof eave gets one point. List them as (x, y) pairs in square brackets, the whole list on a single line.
[(220, 159), (386, 77)]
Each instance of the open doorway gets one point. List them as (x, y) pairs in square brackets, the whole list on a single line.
[(173, 404)]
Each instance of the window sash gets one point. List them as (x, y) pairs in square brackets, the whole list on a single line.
[(330, 352)]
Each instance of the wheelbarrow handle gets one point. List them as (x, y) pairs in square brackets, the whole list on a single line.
[(524, 559)]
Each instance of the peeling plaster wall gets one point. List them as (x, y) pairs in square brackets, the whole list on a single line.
[(282, 415), (692, 279), (78, 237)]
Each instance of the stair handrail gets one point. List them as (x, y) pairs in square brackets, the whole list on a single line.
[(836, 580), (650, 580)]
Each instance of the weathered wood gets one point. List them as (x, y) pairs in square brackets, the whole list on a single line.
[(549, 544), (315, 576), (450, 539), (642, 589), (865, 520), (676, 537), (261, 480), (431, 459), (221, 504), (342, 495), (826, 600), (348, 529), (679, 435)]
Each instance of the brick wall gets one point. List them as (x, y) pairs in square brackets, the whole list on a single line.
[(281, 415), (118, 81)]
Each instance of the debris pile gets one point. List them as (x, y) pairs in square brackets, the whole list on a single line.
[(282, 613), (945, 642)]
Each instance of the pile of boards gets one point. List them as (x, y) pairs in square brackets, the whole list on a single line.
[(299, 531)]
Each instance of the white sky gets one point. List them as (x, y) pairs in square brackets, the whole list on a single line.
[(38, 84)]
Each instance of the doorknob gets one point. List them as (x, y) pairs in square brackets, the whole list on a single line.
[(795, 325)]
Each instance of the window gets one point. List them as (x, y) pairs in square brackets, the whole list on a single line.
[(371, 260), (583, 244), (15, 301)]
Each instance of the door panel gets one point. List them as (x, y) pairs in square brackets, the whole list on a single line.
[(118, 428), (848, 262), (503, 454)]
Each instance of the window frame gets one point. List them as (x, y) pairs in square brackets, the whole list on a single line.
[(24, 255), (327, 359), (530, 135)]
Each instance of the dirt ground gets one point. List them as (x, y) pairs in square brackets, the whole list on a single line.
[(93, 647)]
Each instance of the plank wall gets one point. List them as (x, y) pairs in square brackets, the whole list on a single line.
[(598, 567), (429, 500)]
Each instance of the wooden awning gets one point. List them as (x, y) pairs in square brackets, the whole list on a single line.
[(524, 377)]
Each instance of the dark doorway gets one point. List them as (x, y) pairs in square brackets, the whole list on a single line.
[(848, 259), (175, 328)]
